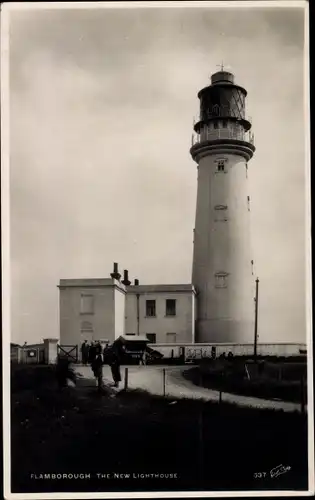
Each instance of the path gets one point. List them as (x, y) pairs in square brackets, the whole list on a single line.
[(150, 378)]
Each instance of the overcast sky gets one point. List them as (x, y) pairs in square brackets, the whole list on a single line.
[(102, 104)]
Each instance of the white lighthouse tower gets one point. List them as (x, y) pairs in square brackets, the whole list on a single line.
[(222, 261)]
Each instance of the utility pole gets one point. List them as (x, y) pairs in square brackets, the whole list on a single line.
[(138, 314), (256, 320)]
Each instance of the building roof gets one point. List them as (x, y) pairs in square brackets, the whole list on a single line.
[(188, 288), (86, 282), (92, 283), (134, 338), (100, 282)]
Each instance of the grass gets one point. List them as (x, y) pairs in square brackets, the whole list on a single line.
[(270, 381), (209, 446)]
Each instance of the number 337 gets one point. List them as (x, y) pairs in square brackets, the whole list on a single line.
[(260, 475)]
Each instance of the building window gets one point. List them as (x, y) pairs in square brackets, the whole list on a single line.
[(224, 124), (150, 308), (152, 337), (87, 304), (131, 334), (248, 203), (86, 326), (221, 280), (171, 338), (215, 125), (170, 307), (220, 213)]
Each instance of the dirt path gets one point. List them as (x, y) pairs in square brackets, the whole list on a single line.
[(150, 379)]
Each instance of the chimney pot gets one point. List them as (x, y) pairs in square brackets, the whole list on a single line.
[(126, 279), (115, 274)]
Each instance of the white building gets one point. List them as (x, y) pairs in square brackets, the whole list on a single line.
[(219, 304), (104, 309)]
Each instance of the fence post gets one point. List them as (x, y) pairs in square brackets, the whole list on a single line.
[(126, 379), (164, 382)]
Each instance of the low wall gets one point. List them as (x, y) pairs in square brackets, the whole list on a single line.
[(198, 351), (42, 353)]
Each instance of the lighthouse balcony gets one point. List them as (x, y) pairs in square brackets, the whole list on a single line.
[(230, 133)]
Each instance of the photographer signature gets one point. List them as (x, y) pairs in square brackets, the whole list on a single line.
[(275, 472), (280, 469)]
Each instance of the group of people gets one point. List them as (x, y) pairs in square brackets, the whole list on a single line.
[(94, 355), (90, 351)]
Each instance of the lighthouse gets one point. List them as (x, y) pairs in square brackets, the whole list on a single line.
[(222, 274)]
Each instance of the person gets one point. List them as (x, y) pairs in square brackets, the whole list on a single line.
[(114, 363), (106, 352), (98, 348), (85, 352), (92, 352), (143, 358), (97, 367)]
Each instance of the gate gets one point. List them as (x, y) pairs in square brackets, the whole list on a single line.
[(69, 352)]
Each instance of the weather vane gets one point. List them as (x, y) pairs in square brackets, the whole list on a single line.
[(220, 66)]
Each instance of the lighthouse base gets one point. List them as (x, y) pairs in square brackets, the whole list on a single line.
[(224, 330)]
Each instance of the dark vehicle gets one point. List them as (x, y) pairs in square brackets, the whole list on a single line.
[(135, 350), (153, 356)]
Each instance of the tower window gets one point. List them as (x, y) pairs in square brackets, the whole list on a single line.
[(248, 203), (220, 213), (150, 308), (170, 307), (221, 165), (221, 280), (246, 170)]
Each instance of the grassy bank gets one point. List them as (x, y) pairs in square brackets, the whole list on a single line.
[(264, 382), (209, 447)]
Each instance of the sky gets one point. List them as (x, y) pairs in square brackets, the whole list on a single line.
[(102, 103)]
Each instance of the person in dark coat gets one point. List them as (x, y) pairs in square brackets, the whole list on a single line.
[(85, 352), (114, 363), (98, 349), (97, 367), (92, 352), (106, 353)]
